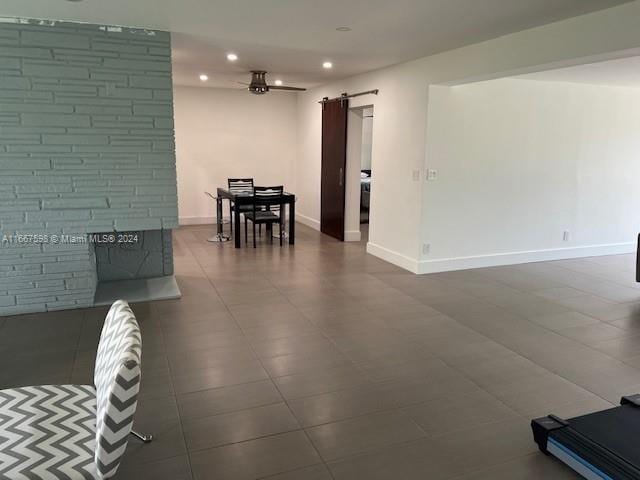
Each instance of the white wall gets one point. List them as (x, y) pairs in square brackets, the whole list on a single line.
[(399, 217), (520, 162), (367, 139), (222, 133)]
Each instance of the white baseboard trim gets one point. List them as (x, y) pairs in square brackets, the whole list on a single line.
[(308, 221), (513, 258), (390, 256), (352, 235)]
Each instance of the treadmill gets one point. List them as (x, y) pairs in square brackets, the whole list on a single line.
[(601, 445)]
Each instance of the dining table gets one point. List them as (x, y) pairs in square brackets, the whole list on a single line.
[(246, 198)]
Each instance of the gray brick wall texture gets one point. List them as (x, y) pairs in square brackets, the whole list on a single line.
[(151, 255), (86, 145)]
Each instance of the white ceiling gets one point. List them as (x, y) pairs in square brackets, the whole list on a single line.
[(291, 38), (624, 72)]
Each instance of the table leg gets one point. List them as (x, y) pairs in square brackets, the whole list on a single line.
[(292, 222), (236, 231)]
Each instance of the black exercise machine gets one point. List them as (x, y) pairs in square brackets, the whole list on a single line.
[(599, 446)]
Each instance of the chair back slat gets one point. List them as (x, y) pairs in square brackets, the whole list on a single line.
[(117, 380), (240, 185), (270, 197)]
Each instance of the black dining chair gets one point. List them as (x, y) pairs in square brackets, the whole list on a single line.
[(267, 209), (239, 185)]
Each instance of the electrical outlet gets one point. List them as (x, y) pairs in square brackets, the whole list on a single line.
[(426, 248), (432, 175), (565, 236), (416, 175)]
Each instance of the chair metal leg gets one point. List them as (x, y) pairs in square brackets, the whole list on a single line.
[(246, 233), (231, 219), (143, 438), (254, 234)]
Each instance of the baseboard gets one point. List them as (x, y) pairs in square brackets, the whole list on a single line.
[(390, 256), (196, 220), (513, 258), (308, 221), (352, 236)]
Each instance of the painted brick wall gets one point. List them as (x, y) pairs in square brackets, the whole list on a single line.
[(86, 145)]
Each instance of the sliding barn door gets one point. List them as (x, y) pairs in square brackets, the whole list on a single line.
[(334, 162)]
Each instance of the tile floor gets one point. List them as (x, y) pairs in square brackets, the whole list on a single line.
[(321, 362)]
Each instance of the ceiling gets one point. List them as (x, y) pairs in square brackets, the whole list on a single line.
[(624, 72), (291, 38)]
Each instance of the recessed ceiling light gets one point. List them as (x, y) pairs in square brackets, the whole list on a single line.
[(232, 57), (204, 78), (278, 82), (343, 29), (327, 65)]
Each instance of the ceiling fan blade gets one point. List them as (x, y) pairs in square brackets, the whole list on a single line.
[(282, 87), (244, 83)]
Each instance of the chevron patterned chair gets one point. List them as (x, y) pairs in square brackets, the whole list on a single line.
[(69, 432)]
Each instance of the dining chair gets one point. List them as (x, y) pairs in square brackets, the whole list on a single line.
[(238, 185), (267, 208), (76, 432)]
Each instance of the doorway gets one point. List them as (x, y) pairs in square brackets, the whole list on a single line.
[(359, 176)]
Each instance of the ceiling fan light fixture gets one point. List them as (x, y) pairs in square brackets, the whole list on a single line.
[(327, 65), (259, 85), (232, 57), (204, 77)]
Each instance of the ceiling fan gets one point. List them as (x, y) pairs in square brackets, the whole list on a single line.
[(258, 85)]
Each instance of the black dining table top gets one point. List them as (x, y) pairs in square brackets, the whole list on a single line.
[(226, 193)]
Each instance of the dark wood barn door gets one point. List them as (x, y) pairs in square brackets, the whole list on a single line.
[(334, 162)]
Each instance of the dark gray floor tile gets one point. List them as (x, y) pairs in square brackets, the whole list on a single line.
[(361, 434), (302, 362), (530, 467), (316, 472), (560, 321), (343, 404), (219, 376), (255, 458), (208, 432), (314, 342), (319, 381), (460, 412), (174, 468), (483, 446), (423, 459), (558, 293), (593, 334), (227, 399)]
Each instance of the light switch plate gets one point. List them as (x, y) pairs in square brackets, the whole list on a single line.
[(432, 175), (416, 175)]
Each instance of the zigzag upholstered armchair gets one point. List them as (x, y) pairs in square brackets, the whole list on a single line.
[(69, 432)]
